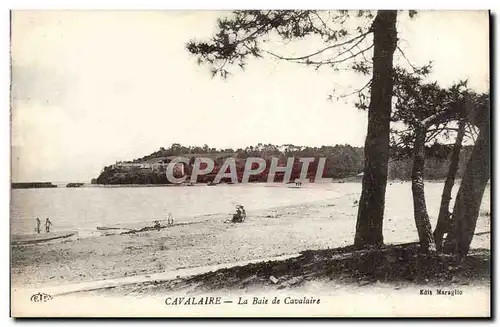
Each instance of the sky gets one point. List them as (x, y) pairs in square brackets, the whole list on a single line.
[(90, 88)]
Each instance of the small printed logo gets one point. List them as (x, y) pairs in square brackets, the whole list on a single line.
[(40, 297)]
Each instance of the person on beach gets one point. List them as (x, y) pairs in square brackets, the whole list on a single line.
[(170, 220), (48, 223), (240, 214), (38, 223)]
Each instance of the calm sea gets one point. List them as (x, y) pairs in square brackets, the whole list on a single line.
[(83, 209)]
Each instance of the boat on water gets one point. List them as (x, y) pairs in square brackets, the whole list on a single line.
[(74, 184), (39, 238)]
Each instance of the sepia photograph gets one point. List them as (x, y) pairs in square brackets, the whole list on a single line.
[(250, 163)]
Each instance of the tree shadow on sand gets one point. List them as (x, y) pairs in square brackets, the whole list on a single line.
[(403, 263)]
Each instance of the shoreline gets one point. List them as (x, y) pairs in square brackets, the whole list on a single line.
[(322, 224), (273, 184), (330, 194)]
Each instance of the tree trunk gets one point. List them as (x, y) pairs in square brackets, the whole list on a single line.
[(470, 194), (371, 204), (444, 210), (421, 216)]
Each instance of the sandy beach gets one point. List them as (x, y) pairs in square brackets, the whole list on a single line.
[(322, 224)]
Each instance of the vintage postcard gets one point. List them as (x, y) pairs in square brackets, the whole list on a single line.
[(263, 163)]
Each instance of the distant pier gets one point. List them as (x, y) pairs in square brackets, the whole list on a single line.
[(33, 185)]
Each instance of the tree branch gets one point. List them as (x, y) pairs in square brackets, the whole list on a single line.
[(356, 91), (362, 36), (442, 129), (432, 118), (320, 63), (407, 60), (323, 22)]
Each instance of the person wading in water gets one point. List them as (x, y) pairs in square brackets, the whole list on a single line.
[(38, 223), (48, 223)]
